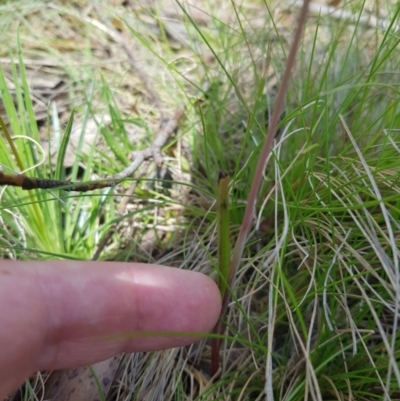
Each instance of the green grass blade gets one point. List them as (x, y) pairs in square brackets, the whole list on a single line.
[(223, 231), (13, 118), (63, 148)]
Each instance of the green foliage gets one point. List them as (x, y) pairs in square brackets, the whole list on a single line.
[(315, 298)]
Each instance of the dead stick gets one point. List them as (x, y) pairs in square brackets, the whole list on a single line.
[(139, 156)]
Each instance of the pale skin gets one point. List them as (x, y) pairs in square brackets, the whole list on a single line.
[(58, 315)]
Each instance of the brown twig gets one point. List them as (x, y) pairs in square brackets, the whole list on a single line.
[(28, 183), (168, 126)]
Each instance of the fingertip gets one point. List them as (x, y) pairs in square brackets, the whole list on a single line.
[(185, 308), (173, 299), (206, 301), (91, 311)]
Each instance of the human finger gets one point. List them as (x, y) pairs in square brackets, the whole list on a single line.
[(67, 314)]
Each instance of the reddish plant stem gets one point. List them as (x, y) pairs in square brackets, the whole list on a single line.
[(266, 150)]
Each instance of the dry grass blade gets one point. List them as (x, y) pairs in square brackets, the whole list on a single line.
[(132, 61)]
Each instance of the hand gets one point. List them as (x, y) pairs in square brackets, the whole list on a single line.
[(58, 315)]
